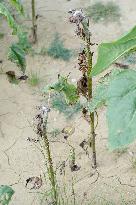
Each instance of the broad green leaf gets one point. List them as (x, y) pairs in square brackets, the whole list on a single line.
[(108, 53), (17, 55), (18, 5), (101, 92), (120, 97), (99, 97), (6, 194), (121, 113), (5, 12), (69, 90)]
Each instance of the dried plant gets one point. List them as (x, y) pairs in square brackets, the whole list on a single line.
[(84, 84), (41, 120)]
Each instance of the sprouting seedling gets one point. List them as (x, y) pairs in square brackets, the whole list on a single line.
[(17, 51)]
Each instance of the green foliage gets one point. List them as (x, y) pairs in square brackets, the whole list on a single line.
[(43, 51), (17, 51), (59, 103), (57, 49), (6, 194), (120, 97), (11, 22), (129, 58), (23, 42), (69, 90), (18, 5), (17, 55), (103, 12), (34, 79), (108, 53), (1, 35)]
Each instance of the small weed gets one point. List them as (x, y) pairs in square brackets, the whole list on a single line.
[(57, 49), (59, 103), (133, 163), (43, 51), (103, 12), (34, 79), (1, 35), (55, 132), (120, 152)]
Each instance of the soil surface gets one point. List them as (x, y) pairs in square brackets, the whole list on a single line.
[(114, 181)]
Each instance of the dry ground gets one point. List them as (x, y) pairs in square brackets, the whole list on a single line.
[(20, 159)]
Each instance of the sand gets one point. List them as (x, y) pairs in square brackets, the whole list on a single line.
[(115, 178)]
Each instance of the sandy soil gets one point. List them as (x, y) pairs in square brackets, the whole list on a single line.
[(115, 179)]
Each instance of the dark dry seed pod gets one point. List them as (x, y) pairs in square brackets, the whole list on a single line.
[(23, 77), (75, 167), (121, 65), (82, 86), (83, 143), (32, 140), (34, 182)]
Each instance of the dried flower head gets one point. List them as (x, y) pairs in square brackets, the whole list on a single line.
[(82, 23), (77, 16), (40, 119)]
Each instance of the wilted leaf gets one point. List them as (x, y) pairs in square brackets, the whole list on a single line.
[(69, 90), (68, 130), (6, 194), (108, 53), (34, 182)]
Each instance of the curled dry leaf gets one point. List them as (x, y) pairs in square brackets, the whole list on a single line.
[(34, 182), (68, 131), (32, 140), (82, 86), (75, 167), (23, 77)]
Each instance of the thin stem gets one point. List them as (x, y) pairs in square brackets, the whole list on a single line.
[(90, 93), (50, 162), (34, 25)]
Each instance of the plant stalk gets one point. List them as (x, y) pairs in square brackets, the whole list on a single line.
[(51, 172), (90, 95), (34, 25)]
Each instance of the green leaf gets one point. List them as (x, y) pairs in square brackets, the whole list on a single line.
[(69, 90), (23, 41), (121, 114), (100, 97), (59, 103), (18, 5), (6, 194), (119, 94), (108, 53), (5, 12), (17, 55)]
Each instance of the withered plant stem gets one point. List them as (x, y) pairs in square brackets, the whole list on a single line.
[(89, 54), (50, 168), (34, 25), (90, 95)]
